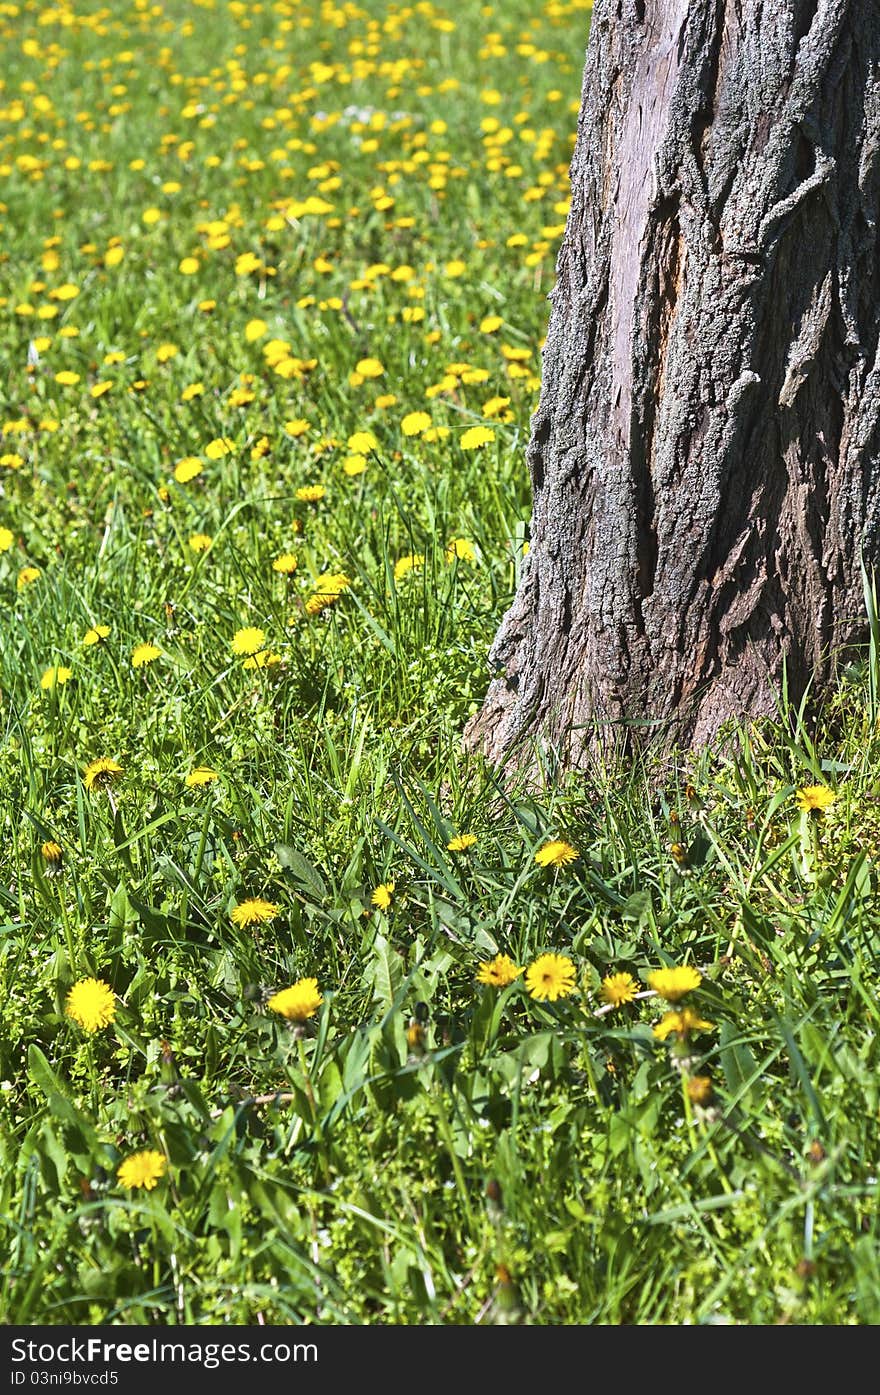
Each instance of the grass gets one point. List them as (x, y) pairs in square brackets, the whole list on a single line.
[(382, 188)]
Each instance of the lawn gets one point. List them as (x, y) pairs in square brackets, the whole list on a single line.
[(308, 1017)]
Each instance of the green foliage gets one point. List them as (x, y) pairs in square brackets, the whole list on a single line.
[(428, 1138)]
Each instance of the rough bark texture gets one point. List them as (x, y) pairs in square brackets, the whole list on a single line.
[(704, 456)]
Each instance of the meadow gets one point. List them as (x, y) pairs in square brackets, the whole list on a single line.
[(308, 1017)]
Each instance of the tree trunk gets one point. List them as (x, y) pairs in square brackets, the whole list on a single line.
[(704, 456)]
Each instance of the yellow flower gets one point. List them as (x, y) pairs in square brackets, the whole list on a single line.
[(254, 911), (369, 368), (187, 469), (91, 1004), (26, 576), (52, 852), (142, 1169), (95, 635), (310, 493), (189, 266), (362, 442), (144, 654), (202, 775), (414, 423), (672, 984), (220, 446), (475, 437), (816, 798), (498, 972), (262, 660), (100, 773), (165, 352), (461, 842), (298, 1002), (404, 565), (200, 542), (490, 323), (298, 427), (192, 390), (461, 549), (699, 1089), (254, 330), (249, 640), (681, 1023), (55, 677), (7, 538), (619, 988), (354, 465), (551, 976), (556, 853), (67, 378), (381, 897), (286, 564)]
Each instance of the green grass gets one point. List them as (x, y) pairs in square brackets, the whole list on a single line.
[(429, 1149)]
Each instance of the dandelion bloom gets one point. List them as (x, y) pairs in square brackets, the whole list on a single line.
[(52, 852), (219, 447), (498, 972), (815, 797), (618, 988), (142, 1169), (254, 911), (286, 564), (200, 542), (264, 659), (298, 1002), (362, 442), (381, 897), (551, 976), (556, 853), (672, 984), (55, 677), (310, 493), (414, 423), (404, 565), (187, 469), (369, 368), (26, 576), (91, 1004), (249, 640), (681, 1023), (7, 538), (490, 323), (100, 773), (202, 775), (460, 549), (475, 437), (144, 654), (95, 635), (699, 1089), (461, 842)]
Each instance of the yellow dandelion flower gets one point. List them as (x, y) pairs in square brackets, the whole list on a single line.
[(310, 493), (100, 773), (699, 1089), (381, 897), (220, 446), (404, 565), (142, 1170), (202, 775), (144, 654), (672, 984), (191, 391), (298, 427), (286, 564), (681, 1023), (815, 798), (354, 465), (618, 989), (52, 852), (67, 378), (166, 352), (498, 972), (551, 976), (460, 549), (254, 330), (189, 266), (7, 538), (95, 635), (490, 323), (461, 842), (91, 1004), (264, 659), (361, 442), (199, 542), (249, 640), (55, 677), (253, 911), (556, 853), (414, 423), (299, 1002), (187, 469), (26, 576), (369, 368), (475, 437)]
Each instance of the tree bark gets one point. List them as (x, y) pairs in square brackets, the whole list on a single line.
[(704, 456)]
